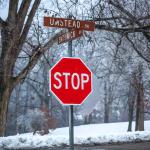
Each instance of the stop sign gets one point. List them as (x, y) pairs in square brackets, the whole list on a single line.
[(70, 81)]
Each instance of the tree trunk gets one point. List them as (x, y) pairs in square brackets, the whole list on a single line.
[(4, 100), (106, 105), (88, 119), (140, 102), (106, 113), (131, 110), (131, 102), (17, 107), (139, 126), (6, 83), (141, 119), (26, 107)]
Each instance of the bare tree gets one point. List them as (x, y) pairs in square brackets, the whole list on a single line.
[(125, 17), (14, 32)]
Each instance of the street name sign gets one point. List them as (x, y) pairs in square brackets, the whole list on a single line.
[(69, 23), (71, 35), (70, 81)]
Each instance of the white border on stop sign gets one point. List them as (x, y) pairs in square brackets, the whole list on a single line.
[(56, 95)]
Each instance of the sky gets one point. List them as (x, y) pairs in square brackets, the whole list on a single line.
[(4, 10)]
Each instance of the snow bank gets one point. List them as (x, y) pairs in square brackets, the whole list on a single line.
[(86, 134)]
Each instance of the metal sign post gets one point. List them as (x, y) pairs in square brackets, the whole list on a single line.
[(71, 121), (71, 128)]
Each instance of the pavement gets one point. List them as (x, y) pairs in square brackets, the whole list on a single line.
[(131, 146)]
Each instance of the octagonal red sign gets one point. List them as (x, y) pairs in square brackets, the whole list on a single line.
[(70, 81)]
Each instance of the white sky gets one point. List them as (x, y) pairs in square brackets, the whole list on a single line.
[(4, 10)]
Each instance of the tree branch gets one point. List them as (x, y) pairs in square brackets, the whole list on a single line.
[(138, 52), (110, 18), (144, 18), (133, 18), (26, 28), (37, 53), (22, 13), (41, 97), (28, 23), (122, 9), (2, 22), (123, 30), (12, 14)]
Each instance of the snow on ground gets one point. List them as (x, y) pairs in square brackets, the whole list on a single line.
[(85, 134)]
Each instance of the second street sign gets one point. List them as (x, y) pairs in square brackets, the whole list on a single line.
[(69, 23), (72, 34)]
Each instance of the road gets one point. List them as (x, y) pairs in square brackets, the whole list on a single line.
[(131, 146), (137, 146)]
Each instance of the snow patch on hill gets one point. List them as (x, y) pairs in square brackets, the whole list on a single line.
[(85, 134)]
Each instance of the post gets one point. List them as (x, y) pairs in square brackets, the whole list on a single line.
[(71, 128), (70, 48)]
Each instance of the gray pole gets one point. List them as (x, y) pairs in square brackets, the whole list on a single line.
[(70, 48), (71, 129)]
